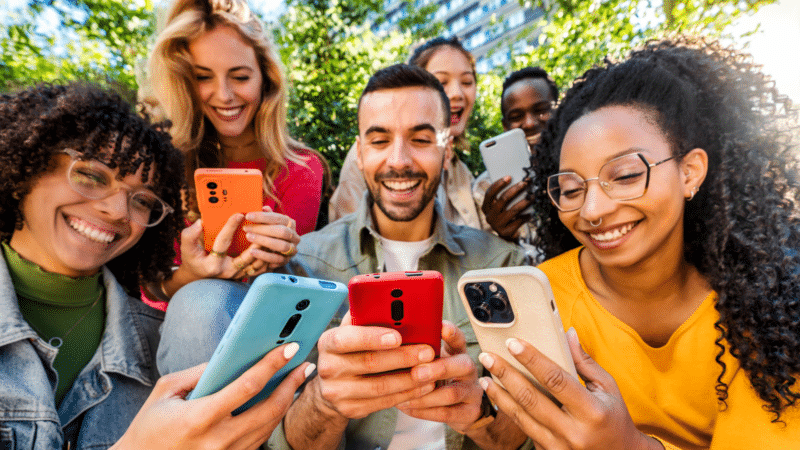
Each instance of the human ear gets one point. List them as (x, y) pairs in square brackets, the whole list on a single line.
[(359, 163), (694, 167), (449, 153)]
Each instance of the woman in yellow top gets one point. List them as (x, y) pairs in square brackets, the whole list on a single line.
[(668, 193)]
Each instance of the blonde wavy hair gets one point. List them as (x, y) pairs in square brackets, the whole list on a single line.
[(171, 82)]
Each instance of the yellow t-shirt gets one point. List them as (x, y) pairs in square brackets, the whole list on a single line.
[(670, 390)]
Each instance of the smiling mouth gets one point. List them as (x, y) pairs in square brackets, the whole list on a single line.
[(455, 115), (401, 186), (534, 138), (229, 113), (613, 234), (91, 231)]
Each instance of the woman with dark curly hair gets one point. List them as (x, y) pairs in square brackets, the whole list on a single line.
[(669, 198), (89, 208)]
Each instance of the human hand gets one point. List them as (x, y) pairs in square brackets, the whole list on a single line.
[(591, 417), (456, 402), (505, 222), (274, 237), (352, 382), (168, 421), (197, 264)]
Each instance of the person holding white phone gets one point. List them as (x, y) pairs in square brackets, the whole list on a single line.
[(527, 101), (669, 194)]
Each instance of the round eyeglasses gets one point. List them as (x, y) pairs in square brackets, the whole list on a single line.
[(93, 179), (623, 178)]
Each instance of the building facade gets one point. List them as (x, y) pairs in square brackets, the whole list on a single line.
[(492, 30)]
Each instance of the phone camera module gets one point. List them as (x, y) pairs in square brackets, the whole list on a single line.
[(397, 293), (397, 310), (290, 325), (211, 185), (213, 200), (302, 304)]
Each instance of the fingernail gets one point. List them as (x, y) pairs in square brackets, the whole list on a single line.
[(309, 370), (389, 339), (484, 382), (247, 228), (486, 360), (422, 373), (426, 355), (290, 350), (514, 346)]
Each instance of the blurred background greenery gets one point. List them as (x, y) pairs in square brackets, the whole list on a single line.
[(330, 50)]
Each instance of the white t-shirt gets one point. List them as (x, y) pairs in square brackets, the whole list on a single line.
[(411, 433)]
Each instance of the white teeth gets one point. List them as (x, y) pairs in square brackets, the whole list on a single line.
[(229, 112), (86, 229), (612, 234), (400, 185), (534, 139)]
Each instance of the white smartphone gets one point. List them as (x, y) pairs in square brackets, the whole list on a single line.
[(515, 302), (507, 154)]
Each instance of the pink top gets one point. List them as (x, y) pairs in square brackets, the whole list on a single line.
[(299, 190)]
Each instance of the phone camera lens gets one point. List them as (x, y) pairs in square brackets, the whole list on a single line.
[(302, 304), (397, 293), (213, 199), (482, 312), (474, 292), (211, 185), (498, 301)]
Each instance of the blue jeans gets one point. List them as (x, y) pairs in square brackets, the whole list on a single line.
[(196, 319)]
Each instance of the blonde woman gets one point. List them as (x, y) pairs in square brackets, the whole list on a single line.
[(217, 78)]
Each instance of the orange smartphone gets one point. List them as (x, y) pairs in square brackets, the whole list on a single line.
[(222, 193)]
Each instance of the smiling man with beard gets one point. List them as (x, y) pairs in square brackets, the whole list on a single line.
[(404, 137)]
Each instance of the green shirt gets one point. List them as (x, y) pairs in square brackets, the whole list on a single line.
[(59, 307)]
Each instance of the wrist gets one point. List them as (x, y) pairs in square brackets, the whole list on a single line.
[(488, 414)]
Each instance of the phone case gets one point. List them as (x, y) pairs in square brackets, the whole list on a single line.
[(507, 154), (277, 309), (222, 193), (410, 302), (515, 302)]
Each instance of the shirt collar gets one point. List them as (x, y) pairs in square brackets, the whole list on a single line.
[(364, 228)]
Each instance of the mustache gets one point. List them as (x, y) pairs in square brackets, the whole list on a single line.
[(393, 174)]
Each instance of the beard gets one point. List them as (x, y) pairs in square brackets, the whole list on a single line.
[(407, 211)]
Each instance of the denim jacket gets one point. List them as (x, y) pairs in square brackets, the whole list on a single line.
[(104, 398), (351, 246)]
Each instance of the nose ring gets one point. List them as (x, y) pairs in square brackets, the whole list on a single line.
[(596, 224)]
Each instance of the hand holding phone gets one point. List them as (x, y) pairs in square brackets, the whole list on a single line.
[(504, 155), (515, 302), (277, 309), (410, 302), (222, 193)]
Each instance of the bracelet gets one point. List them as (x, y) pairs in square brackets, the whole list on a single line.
[(488, 414)]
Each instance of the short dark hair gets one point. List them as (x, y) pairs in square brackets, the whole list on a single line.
[(39, 122), (523, 74), (405, 75)]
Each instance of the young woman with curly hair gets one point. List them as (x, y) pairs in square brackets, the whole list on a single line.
[(89, 209), (218, 80), (669, 198)]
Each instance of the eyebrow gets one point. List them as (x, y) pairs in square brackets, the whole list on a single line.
[(415, 128), (444, 72), (232, 69), (628, 151)]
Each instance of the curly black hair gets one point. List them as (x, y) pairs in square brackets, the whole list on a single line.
[(525, 73), (40, 121), (741, 229)]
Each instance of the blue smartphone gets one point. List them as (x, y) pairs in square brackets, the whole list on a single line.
[(277, 309)]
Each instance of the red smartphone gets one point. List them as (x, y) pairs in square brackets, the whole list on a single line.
[(222, 193), (410, 302)]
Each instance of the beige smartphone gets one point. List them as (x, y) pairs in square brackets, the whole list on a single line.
[(515, 302)]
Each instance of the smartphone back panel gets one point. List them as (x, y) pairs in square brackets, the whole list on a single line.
[(507, 154), (515, 302), (410, 302), (277, 309), (222, 193)]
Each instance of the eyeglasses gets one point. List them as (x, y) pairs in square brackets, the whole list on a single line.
[(93, 179), (623, 178)]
